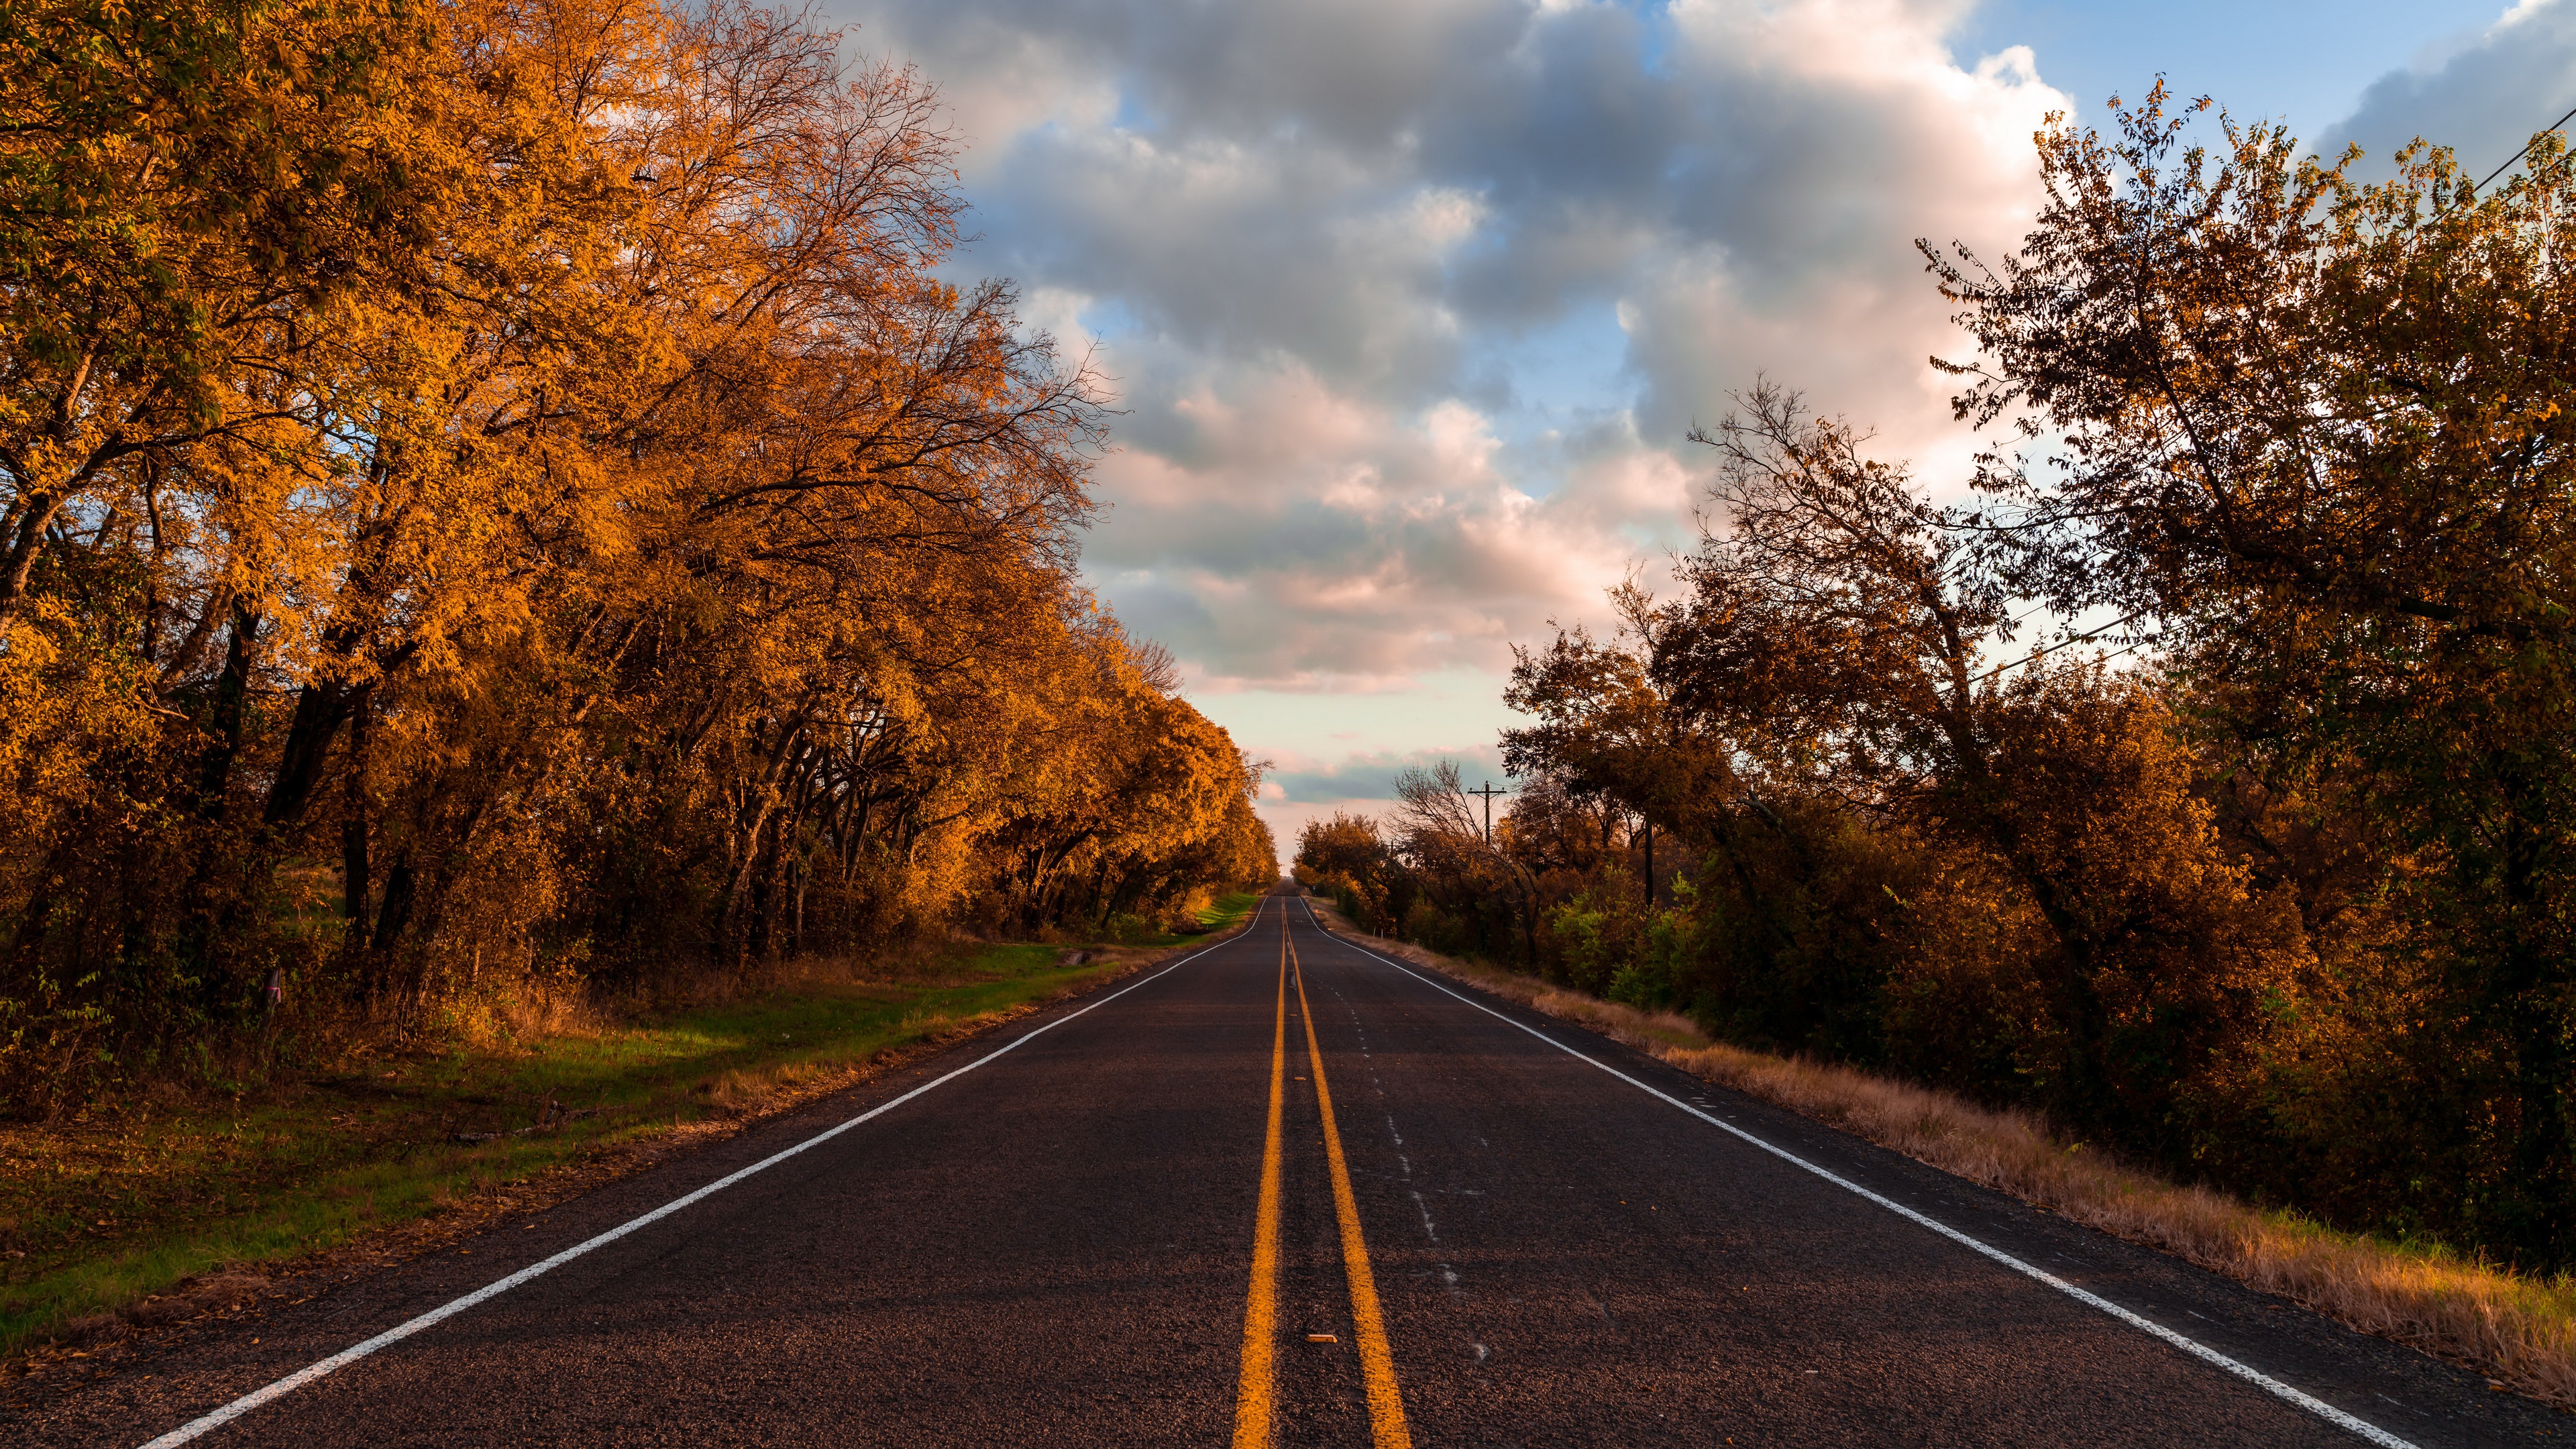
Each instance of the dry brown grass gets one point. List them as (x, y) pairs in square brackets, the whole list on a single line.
[(2519, 1331), (537, 1014)]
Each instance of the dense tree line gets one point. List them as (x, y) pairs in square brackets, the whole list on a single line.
[(1430, 871), (503, 488), (2260, 869)]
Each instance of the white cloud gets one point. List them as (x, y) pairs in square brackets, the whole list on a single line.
[(1301, 791), (1305, 228), (1371, 776), (2483, 99), (1327, 248), (1289, 534)]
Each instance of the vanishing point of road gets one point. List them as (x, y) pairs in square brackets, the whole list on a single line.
[(1285, 1190)]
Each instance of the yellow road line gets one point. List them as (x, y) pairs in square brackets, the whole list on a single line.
[(1377, 1362), (1253, 1397)]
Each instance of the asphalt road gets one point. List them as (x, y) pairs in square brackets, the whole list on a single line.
[(1074, 1242)]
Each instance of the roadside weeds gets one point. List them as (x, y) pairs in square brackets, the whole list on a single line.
[(2519, 1331)]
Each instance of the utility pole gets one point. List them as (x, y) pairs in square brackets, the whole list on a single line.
[(1489, 792)]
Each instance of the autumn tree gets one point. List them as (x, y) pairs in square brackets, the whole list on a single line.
[(498, 490), (1473, 880), (2319, 432), (1555, 830), (187, 191), (1348, 857)]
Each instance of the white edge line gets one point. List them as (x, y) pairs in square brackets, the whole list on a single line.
[(347, 1356), (2247, 1372)]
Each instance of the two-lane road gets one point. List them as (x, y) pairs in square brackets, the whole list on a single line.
[(1122, 1223)]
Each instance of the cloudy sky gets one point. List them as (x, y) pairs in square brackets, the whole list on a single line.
[(1410, 303)]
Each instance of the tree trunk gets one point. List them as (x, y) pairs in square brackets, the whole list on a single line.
[(393, 918), (319, 709), (212, 914), (2533, 991), (232, 695), (353, 822)]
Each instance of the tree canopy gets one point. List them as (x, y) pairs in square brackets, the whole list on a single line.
[(490, 490)]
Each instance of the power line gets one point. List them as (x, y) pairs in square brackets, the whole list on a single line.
[(2526, 150), (2078, 639), (2132, 649)]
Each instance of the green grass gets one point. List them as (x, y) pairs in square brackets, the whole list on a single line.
[(97, 1214), (1228, 910), (1225, 911)]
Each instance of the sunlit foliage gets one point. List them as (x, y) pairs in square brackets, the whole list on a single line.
[(492, 490)]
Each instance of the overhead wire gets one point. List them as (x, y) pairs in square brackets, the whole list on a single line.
[(2078, 639), (2526, 149)]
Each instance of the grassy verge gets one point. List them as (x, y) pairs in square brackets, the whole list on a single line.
[(2519, 1331), (173, 1206), (1228, 911), (1222, 914)]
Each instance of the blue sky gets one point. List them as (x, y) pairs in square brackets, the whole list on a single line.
[(2304, 61), (1410, 303)]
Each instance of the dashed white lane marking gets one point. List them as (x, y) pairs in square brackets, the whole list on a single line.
[(1406, 1163), (198, 1427), (2314, 1405)]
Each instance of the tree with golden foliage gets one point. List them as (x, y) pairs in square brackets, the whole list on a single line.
[(491, 490)]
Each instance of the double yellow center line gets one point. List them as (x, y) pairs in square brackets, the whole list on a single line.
[(1253, 1400), (1256, 1398)]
